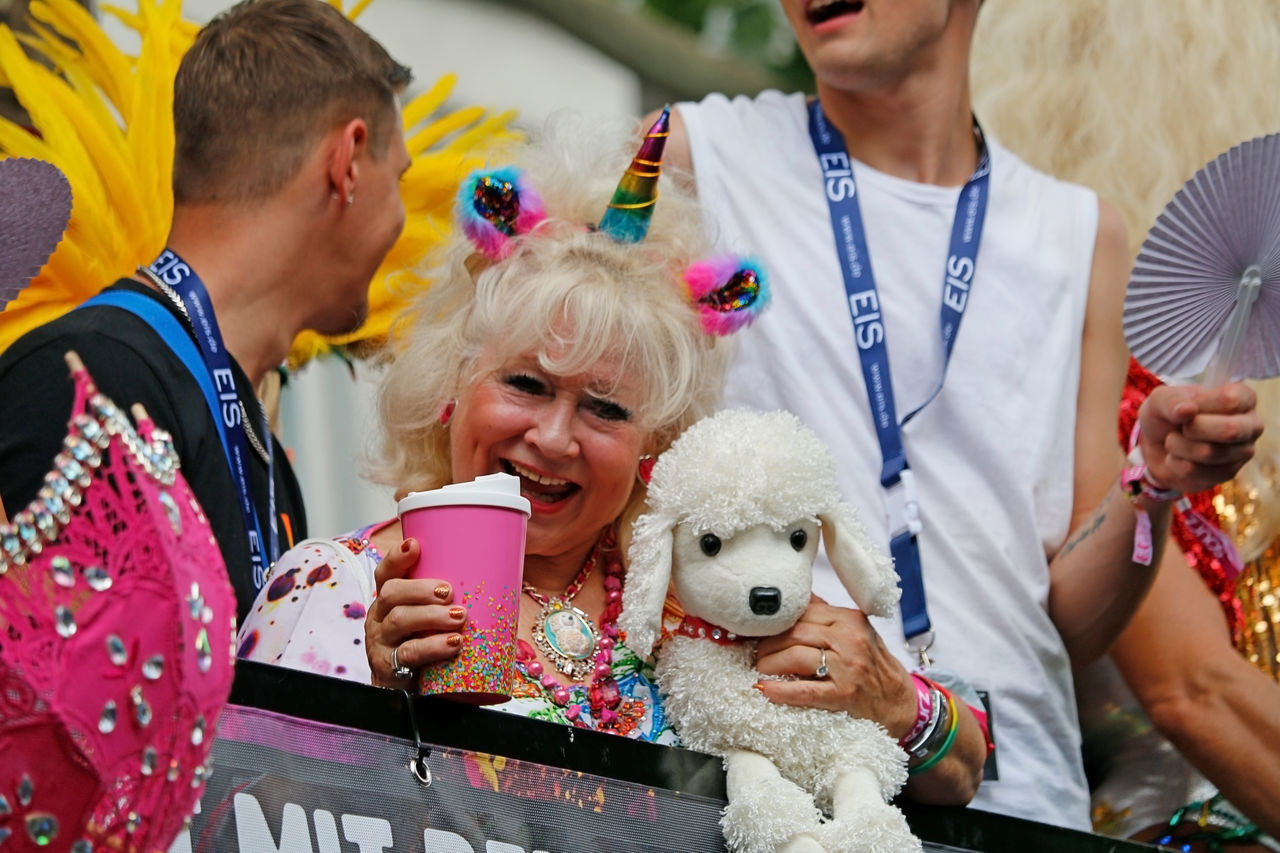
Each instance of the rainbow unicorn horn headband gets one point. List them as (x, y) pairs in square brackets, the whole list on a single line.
[(631, 208), (498, 207)]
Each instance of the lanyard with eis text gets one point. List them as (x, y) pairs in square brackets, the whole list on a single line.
[(175, 272), (869, 335)]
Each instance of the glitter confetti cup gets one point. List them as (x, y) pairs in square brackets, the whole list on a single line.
[(472, 536)]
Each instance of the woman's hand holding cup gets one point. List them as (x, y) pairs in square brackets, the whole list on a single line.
[(412, 622)]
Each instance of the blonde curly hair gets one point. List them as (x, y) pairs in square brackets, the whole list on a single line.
[(572, 294), (1131, 98)]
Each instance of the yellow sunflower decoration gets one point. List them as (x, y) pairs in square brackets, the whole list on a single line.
[(106, 120)]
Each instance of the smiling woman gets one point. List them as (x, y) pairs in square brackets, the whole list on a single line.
[(575, 450), (566, 337)]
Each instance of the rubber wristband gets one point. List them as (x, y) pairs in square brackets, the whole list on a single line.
[(924, 709), (934, 731), (934, 734), (946, 744), (935, 726)]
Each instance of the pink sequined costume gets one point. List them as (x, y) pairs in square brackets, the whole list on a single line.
[(116, 631)]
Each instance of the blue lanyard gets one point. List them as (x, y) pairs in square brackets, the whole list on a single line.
[(175, 272), (869, 335)]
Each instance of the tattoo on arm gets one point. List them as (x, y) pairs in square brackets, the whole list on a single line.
[(1084, 533)]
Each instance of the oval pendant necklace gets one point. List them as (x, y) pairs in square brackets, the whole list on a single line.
[(562, 632)]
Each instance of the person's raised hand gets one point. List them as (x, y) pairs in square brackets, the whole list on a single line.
[(412, 622), (861, 677), (1193, 438)]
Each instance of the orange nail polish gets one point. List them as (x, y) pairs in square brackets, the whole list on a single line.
[(457, 612), (443, 591), (454, 640)]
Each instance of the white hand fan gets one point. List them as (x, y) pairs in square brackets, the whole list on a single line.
[(1204, 296)]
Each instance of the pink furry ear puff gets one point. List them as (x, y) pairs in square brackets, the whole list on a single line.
[(495, 206), (729, 292)]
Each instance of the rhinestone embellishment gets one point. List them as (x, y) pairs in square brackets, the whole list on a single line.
[(204, 653), (99, 580), (141, 710), (195, 600), (26, 791), (42, 828), (107, 722), (153, 668), (171, 511), (62, 572), (116, 651), (65, 621)]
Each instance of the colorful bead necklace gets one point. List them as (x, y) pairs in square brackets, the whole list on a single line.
[(603, 694)]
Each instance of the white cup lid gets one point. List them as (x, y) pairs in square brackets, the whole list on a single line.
[(500, 490)]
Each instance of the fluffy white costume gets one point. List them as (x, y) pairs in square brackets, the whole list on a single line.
[(735, 507)]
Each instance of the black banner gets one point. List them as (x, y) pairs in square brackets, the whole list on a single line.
[(285, 784), (305, 764)]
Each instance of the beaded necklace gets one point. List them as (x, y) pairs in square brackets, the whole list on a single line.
[(603, 695)]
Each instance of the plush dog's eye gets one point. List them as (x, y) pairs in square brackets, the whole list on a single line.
[(799, 539), (710, 544)]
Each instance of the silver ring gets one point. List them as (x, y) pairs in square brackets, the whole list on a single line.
[(822, 671), (398, 669)]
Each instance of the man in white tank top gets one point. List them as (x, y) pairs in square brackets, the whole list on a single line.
[(1025, 536)]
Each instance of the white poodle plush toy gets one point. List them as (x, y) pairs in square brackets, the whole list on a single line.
[(735, 508)]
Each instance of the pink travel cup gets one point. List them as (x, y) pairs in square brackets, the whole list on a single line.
[(472, 535)]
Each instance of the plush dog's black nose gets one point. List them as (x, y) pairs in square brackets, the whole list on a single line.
[(765, 600)]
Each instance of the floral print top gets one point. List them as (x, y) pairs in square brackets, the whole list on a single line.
[(310, 616)]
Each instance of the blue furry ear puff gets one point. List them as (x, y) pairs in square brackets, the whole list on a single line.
[(495, 206), (728, 291)]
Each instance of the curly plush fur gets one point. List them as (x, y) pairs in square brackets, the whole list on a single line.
[(762, 485)]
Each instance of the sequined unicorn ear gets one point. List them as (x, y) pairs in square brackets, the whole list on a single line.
[(728, 291), (495, 206)]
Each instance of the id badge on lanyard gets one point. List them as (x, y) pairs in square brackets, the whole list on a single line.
[(176, 273), (869, 335)]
